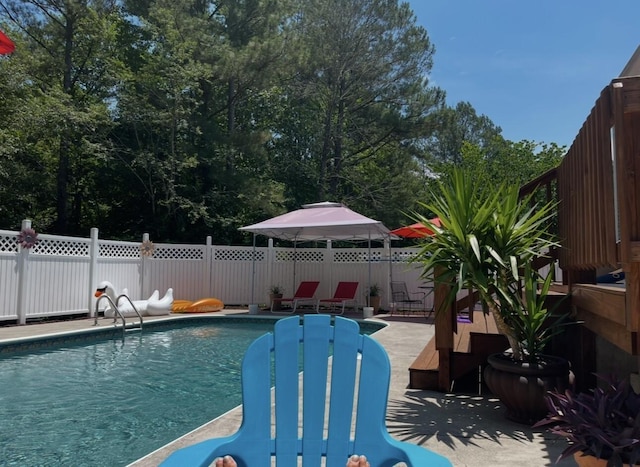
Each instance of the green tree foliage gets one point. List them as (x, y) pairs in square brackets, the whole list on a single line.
[(191, 118), (452, 127), (69, 68), (362, 80)]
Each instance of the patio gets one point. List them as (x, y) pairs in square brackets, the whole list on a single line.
[(468, 428)]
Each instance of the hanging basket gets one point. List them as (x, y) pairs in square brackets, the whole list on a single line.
[(28, 238)]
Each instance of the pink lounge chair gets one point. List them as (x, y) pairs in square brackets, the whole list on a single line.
[(305, 292), (345, 293)]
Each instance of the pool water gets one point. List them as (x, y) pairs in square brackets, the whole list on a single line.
[(111, 402)]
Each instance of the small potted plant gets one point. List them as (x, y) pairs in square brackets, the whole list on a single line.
[(275, 292), (602, 424), (374, 297)]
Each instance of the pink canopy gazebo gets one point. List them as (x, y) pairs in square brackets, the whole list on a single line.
[(321, 221)]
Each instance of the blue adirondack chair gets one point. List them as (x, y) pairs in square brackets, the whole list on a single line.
[(253, 445)]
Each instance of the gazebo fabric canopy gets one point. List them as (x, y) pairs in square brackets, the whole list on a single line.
[(321, 221)]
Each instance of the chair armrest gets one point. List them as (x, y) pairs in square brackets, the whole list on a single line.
[(200, 454), (417, 456)]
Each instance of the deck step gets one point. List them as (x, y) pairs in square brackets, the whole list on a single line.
[(472, 344)]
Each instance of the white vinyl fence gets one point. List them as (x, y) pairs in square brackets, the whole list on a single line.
[(59, 275)]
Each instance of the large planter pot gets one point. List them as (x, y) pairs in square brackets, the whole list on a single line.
[(374, 302), (588, 461), (277, 305), (522, 386)]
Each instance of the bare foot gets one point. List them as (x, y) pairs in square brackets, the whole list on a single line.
[(226, 461), (354, 461), (357, 461)]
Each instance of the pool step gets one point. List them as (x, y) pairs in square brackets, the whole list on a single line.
[(133, 326)]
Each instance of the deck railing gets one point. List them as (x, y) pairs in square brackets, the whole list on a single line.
[(597, 187)]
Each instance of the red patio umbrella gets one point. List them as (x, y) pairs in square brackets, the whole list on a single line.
[(417, 230), (6, 45)]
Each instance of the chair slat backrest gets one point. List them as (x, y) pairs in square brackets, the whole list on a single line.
[(346, 290), (399, 291), (318, 338), (306, 289)]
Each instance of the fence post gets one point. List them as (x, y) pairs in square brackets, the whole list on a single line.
[(208, 255), (143, 269), (387, 255), (271, 261), (23, 255), (329, 260), (94, 251)]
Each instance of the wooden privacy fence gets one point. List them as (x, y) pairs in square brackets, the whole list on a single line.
[(58, 276)]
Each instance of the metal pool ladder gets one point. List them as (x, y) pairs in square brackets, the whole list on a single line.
[(118, 313)]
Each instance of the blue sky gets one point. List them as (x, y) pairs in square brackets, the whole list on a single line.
[(535, 67)]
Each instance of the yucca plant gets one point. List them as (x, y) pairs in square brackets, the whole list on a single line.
[(486, 240)]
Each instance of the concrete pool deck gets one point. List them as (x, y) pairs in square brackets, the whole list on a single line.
[(467, 428)]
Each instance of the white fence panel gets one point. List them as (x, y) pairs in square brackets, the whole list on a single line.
[(292, 266), (8, 275), (231, 274), (120, 264), (181, 267), (403, 270), (67, 290), (62, 273), (55, 276)]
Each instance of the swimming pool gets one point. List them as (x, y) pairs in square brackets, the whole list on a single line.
[(110, 402)]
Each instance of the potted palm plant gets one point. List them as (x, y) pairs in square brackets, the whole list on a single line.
[(487, 242), (374, 297), (275, 292), (602, 426)]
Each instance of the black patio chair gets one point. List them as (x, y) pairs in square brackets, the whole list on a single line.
[(405, 301)]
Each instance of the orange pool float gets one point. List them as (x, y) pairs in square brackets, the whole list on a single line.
[(204, 305)]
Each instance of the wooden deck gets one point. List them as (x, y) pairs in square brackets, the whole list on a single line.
[(472, 344)]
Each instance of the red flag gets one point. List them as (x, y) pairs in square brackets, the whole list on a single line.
[(6, 46)]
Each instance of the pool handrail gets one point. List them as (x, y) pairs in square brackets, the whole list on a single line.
[(116, 312)]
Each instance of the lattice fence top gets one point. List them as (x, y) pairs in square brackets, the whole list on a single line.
[(301, 256), (8, 243), (245, 254), (350, 256), (119, 250), (48, 245), (57, 246), (402, 256), (178, 252)]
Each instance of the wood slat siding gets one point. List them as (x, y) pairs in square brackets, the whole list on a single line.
[(585, 189), (586, 214)]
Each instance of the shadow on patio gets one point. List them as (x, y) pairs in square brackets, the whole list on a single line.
[(473, 428)]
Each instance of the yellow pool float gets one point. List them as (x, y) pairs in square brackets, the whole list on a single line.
[(204, 305)]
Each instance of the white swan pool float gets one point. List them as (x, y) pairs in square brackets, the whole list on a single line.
[(153, 306)]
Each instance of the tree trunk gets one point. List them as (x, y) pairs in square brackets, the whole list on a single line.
[(506, 330)]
